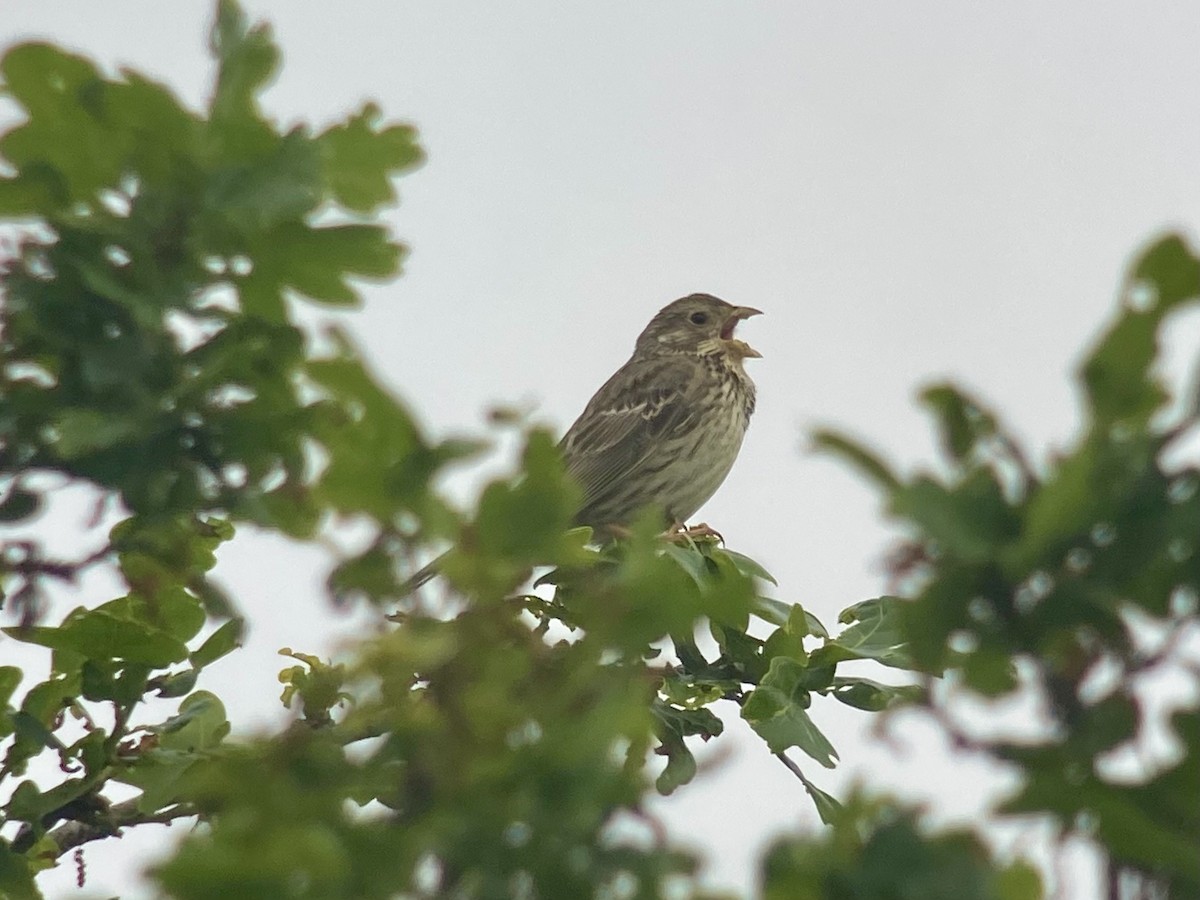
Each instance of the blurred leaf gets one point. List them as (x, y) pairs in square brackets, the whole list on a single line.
[(274, 190), (1117, 373), (858, 456), (672, 726), (247, 59), (680, 768), (359, 156), (989, 672), (863, 693), (316, 261), (66, 133), (171, 609), (83, 431), (10, 678), (226, 639), (16, 879), (964, 423), (19, 504), (161, 771), (1019, 881), (101, 635), (972, 520), (199, 725), (690, 560)]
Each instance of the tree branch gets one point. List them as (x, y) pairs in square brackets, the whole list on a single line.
[(121, 815)]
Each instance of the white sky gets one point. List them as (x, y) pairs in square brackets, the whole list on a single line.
[(909, 190)]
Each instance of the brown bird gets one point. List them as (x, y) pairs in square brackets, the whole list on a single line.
[(665, 429)]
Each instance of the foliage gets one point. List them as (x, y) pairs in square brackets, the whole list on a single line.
[(879, 850), (151, 352), (494, 742), (1075, 584)]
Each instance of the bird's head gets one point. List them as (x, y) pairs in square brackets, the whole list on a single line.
[(698, 323)]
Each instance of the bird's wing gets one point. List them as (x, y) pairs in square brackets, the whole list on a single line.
[(616, 435)]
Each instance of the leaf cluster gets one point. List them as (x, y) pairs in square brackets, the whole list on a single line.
[(490, 742), (1072, 583)]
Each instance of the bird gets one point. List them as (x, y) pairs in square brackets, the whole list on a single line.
[(666, 428)]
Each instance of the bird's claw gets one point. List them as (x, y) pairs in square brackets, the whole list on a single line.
[(681, 532)]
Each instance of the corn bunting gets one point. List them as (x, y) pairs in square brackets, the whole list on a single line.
[(665, 429)]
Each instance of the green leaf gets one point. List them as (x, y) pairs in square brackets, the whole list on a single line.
[(971, 520), (177, 684), (359, 157), (83, 431), (680, 769), (275, 190), (875, 632), (200, 724), (776, 711), (788, 640), (858, 456), (16, 878), (814, 626), (691, 561), (10, 678), (872, 696), (183, 739), (40, 708), (19, 504), (681, 723), (990, 672), (29, 804), (247, 59), (1117, 373), (102, 636), (31, 192), (745, 564), (829, 808), (67, 132), (317, 261), (1019, 881), (171, 609), (771, 610), (216, 602), (525, 521), (1172, 268), (225, 639), (160, 774), (964, 423)]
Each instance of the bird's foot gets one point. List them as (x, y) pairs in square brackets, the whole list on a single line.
[(681, 532)]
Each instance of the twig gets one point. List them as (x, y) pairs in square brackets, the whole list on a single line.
[(792, 767), (29, 565), (74, 834)]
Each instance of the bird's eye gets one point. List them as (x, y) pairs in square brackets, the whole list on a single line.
[(698, 318)]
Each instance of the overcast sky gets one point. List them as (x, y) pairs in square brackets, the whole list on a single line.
[(909, 190)]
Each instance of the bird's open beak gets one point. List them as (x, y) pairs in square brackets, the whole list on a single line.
[(741, 348)]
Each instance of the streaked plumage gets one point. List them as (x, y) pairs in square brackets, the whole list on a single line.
[(668, 425)]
